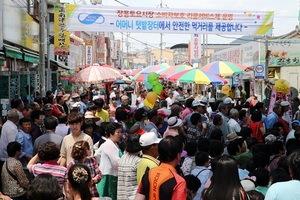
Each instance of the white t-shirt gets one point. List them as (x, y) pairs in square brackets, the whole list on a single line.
[(233, 126)]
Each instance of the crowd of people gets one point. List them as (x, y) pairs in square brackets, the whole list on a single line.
[(83, 147)]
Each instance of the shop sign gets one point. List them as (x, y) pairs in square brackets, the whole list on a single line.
[(259, 71), (61, 34)]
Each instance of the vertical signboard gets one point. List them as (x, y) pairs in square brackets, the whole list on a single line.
[(101, 47), (61, 35), (195, 48), (88, 53)]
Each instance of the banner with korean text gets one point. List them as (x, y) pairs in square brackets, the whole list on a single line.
[(88, 53), (61, 35), (195, 48), (167, 20)]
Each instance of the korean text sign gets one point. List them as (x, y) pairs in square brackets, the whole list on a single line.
[(157, 20)]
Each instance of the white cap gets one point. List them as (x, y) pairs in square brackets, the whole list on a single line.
[(197, 103), (212, 100), (76, 105), (204, 100), (284, 103), (148, 139), (228, 100)]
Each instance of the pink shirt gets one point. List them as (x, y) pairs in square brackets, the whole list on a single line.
[(185, 112)]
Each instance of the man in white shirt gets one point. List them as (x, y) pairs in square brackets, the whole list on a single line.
[(170, 100), (232, 123), (286, 113), (8, 134)]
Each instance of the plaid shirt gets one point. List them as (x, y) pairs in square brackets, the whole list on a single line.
[(92, 164)]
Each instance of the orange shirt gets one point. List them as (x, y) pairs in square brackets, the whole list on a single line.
[(163, 182)]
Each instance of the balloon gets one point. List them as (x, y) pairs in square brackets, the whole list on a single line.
[(148, 85), (147, 103), (225, 89), (157, 88), (151, 97), (153, 78)]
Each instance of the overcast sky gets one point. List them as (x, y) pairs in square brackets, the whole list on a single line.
[(285, 16)]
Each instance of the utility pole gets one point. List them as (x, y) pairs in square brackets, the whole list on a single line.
[(267, 59), (127, 46), (48, 54), (42, 48)]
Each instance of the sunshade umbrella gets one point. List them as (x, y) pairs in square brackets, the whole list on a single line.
[(196, 76), (134, 72), (155, 68), (114, 68), (224, 68), (139, 77), (173, 69), (124, 80), (96, 74)]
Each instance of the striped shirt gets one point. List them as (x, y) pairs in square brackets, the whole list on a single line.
[(127, 172), (51, 167)]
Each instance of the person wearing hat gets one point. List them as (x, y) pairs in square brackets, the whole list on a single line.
[(175, 124), (197, 107), (75, 107), (48, 110), (295, 127), (149, 143), (59, 90), (286, 113), (163, 182)]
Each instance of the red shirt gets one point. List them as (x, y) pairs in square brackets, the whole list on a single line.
[(255, 126)]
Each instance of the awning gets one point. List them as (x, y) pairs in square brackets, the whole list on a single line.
[(13, 52), (30, 56), (2, 59), (60, 64)]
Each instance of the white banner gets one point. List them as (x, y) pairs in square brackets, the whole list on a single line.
[(158, 20), (195, 48)]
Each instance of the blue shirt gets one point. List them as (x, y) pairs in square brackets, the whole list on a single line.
[(203, 174), (26, 146), (83, 107), (270, 120)]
